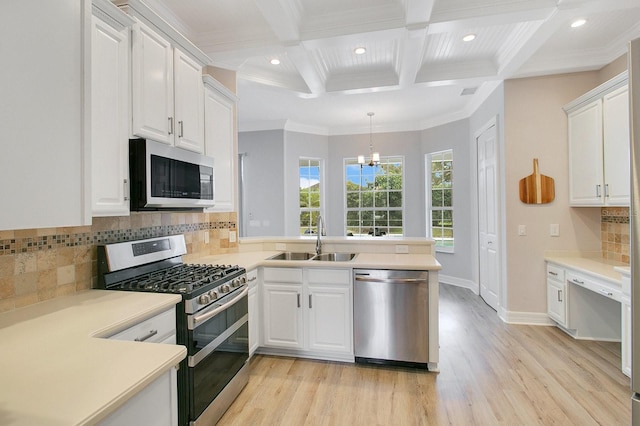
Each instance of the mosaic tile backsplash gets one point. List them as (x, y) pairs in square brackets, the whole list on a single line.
[(41, 264), (615, 231)]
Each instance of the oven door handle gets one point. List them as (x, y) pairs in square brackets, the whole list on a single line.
[(198, 319)]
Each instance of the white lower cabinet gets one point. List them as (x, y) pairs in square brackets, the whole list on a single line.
[(625, 324), (156, 404), (254, 311), (556, 295), (308, 310)]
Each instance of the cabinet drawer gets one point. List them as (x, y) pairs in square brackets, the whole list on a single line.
[(155, 329), (283, 275), (329, 276), (600, 287), (252, 278), (555, 273)]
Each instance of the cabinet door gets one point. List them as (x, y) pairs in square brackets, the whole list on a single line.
[(625, 319), (556, 302), (109, 119), (283, 318), (219, 144), (152, 85), (585, 155), (615, 114), (189, 103), (329, 318), (254, 321)]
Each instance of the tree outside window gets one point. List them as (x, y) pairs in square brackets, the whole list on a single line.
[(310, 200), (374, 197), (440, 184)]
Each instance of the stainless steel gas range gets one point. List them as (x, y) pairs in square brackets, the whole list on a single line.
[(212, 319)]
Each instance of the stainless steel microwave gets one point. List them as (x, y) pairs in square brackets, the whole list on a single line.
[(163, 177)]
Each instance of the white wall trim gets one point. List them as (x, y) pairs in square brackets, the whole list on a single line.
[(458, 282), (526, 318)]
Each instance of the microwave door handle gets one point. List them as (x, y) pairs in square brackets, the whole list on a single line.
[(199, 319)]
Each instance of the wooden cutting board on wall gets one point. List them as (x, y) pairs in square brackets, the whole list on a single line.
[(537, 188)]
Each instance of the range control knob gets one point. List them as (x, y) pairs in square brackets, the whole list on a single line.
[(235, 283), (243, 279), (213, 294), (225, 288), (204, 299)]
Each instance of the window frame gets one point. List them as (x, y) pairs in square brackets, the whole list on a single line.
[(319, 210), (388, 159), (430, 208)]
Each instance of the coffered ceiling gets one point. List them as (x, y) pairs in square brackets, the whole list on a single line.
[(416, 72)]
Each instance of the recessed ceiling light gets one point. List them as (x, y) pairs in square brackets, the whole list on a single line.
[(275, 61), (578, 23), (359, 50), (469, 37)]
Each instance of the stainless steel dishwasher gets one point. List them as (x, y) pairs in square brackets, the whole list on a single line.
[(391, 317)]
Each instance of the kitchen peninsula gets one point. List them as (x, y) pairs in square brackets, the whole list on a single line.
[(257, 255)]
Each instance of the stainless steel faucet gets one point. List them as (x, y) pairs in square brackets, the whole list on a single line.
[(320, 232)]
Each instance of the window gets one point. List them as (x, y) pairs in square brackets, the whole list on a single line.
[(440, 197), (374, 197), (309, 195)]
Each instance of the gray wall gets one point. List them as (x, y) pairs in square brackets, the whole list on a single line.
[(456, 136), (263, 198), (296, 146), (272, 163), (406, 144)]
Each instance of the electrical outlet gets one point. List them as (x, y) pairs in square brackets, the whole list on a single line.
[(206, 237), (522, 230), (232, 236), (281, 246), (554, 230)]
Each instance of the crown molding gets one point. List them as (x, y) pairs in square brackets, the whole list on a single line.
[(111, 14)]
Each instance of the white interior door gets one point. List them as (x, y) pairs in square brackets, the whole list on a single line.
[(489, 250)]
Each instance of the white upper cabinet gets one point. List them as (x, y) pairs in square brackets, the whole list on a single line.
[(189, 103), (598, 131), (167, 91), (615, 128), (152, 76), (109, 110), (220, 141), (45, 107)]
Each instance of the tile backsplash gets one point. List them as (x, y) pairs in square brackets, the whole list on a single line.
[(615, 232), (41, 264)]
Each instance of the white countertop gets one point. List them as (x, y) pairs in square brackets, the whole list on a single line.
[(600, 268), (252, 259), (54, 368)]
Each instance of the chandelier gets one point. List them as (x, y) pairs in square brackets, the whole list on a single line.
[(374, 157)]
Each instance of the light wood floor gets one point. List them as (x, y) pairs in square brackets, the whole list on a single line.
[(491, 373)]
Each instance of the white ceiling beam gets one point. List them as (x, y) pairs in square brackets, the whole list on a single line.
[(283, 20), (302, 61), (418, 11)]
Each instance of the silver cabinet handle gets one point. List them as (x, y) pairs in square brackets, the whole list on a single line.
[(598, 191), (553, 273), (126, 192), (181, 124), (606, 190), (559, 295), (146, 336), (252, 279), (577, 281), (605, 292), (299, 304), (170, 125), (310, 303)]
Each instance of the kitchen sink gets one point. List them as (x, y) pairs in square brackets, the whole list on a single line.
[(334, 257), (292, 255)]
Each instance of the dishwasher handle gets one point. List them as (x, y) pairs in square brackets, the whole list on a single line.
[(365, 278)]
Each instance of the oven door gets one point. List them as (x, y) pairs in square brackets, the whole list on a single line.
[(218, 348)]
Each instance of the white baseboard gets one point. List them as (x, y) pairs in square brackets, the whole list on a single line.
[(458, 282), (526, 318)]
